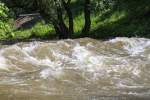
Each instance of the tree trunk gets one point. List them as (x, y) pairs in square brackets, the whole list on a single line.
[(56, 27), (58, 23), (87, 16), (62, 27), (70, 16)]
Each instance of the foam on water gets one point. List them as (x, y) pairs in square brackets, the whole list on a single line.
[(80, 53), (3, 63), (29, 48), (133, 45), (51, 72)]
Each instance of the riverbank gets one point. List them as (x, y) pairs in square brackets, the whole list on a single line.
[(125, 19)]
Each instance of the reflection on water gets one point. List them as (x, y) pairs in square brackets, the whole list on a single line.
[(81, 69)]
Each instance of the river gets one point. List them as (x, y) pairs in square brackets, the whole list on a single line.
[(79, 69)]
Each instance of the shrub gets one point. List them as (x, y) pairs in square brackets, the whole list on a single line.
[(42, 30), (22, 34), (5, 27)]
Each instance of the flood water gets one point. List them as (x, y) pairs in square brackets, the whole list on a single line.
[(80, 69)]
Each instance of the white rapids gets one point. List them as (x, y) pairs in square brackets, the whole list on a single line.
[(83, 69)]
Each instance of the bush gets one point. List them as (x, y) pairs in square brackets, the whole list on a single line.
[(3, 11), (21, 34), (5, 27), (42, 30)]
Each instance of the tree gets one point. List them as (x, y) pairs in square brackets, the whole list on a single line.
[(87, 14), (70, 15), (53, 12), (59, 25), (5, 26)]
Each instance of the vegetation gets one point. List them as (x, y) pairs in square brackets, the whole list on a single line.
[(5, 28), (76, 18)]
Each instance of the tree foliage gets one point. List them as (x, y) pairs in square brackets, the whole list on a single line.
[(103, 5), (4, 15), (3, 11)]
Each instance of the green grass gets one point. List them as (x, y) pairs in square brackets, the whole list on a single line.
[(130, 18), (22, 34), (40, 30), (78, 25)]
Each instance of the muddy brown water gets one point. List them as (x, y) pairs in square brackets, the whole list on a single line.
[(81, 69)]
